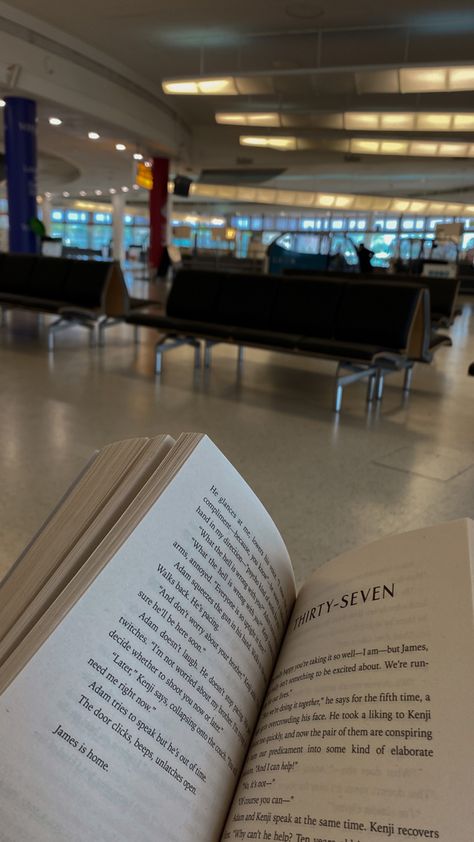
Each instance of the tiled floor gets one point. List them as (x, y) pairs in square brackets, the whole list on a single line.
[(330, 483)]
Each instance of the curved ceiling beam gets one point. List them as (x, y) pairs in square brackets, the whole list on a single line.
[(39, 61)]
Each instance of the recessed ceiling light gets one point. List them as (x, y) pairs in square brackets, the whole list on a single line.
[(66, 194), (82, 193), (93, 136), (136, 187), (148, 163), (98, 192), (120, 147), (138, 156), (112, 190), (54, 121), (2, 103), (125, 189)]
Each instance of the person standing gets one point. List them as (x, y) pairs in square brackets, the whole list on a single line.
[(365, 255)]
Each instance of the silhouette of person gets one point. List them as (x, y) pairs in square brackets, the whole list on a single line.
[(364, 255)]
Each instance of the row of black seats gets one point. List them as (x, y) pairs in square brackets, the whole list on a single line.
[(443, 291), (338, 318), (53, 284)]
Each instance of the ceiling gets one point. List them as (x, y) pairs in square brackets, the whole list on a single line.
[(311, 48)]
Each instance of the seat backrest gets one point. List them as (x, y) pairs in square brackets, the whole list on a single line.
[(16, 272), (194, 295), (86, 283), (307, 307), (49, 278), (246, 300), (378, 314), (443, 295)]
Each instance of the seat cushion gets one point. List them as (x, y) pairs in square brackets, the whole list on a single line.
[(338, 350)]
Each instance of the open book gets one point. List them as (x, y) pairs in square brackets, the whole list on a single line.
[(160, 680)]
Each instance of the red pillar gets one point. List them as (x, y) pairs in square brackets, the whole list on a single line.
[(158, 210)]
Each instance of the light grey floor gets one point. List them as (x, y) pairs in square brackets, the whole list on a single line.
[(330, 483)]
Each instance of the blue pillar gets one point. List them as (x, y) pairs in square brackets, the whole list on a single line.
[(20, 155)]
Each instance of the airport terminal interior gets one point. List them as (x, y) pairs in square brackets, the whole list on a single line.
[(275, 142)]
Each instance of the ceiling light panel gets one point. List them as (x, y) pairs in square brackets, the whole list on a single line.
[(394, 147), (271, 119), (454, 150), (434, 122), (402, 122), (328, 201), (414, 148), (286, 144), (361, 121), (406, 121), (461, 78), (201, 87), (463, 122), (369, 147), (423, 148), (423, 79), (219, 86)]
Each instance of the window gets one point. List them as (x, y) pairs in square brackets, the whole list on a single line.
[(77, 236), (102, 218), (337, 224), (408, 224), (268, 237), (308, 224)]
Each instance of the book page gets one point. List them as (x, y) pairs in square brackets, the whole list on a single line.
[(152, 454), (367, 729), (70, 518), (133, 719)]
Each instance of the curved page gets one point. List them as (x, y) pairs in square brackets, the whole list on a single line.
[(133, 719), (367, 729)]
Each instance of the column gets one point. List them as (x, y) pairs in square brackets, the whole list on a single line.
[(158, 211), (169, 220), (20, 155), (118, 211), (46, 208)]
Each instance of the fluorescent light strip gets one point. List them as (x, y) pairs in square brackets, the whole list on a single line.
[(363, 146), (411, 148), (219, 86), (389, 121), (413, 80), (395, 80), (330, 201), (284, 144)]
